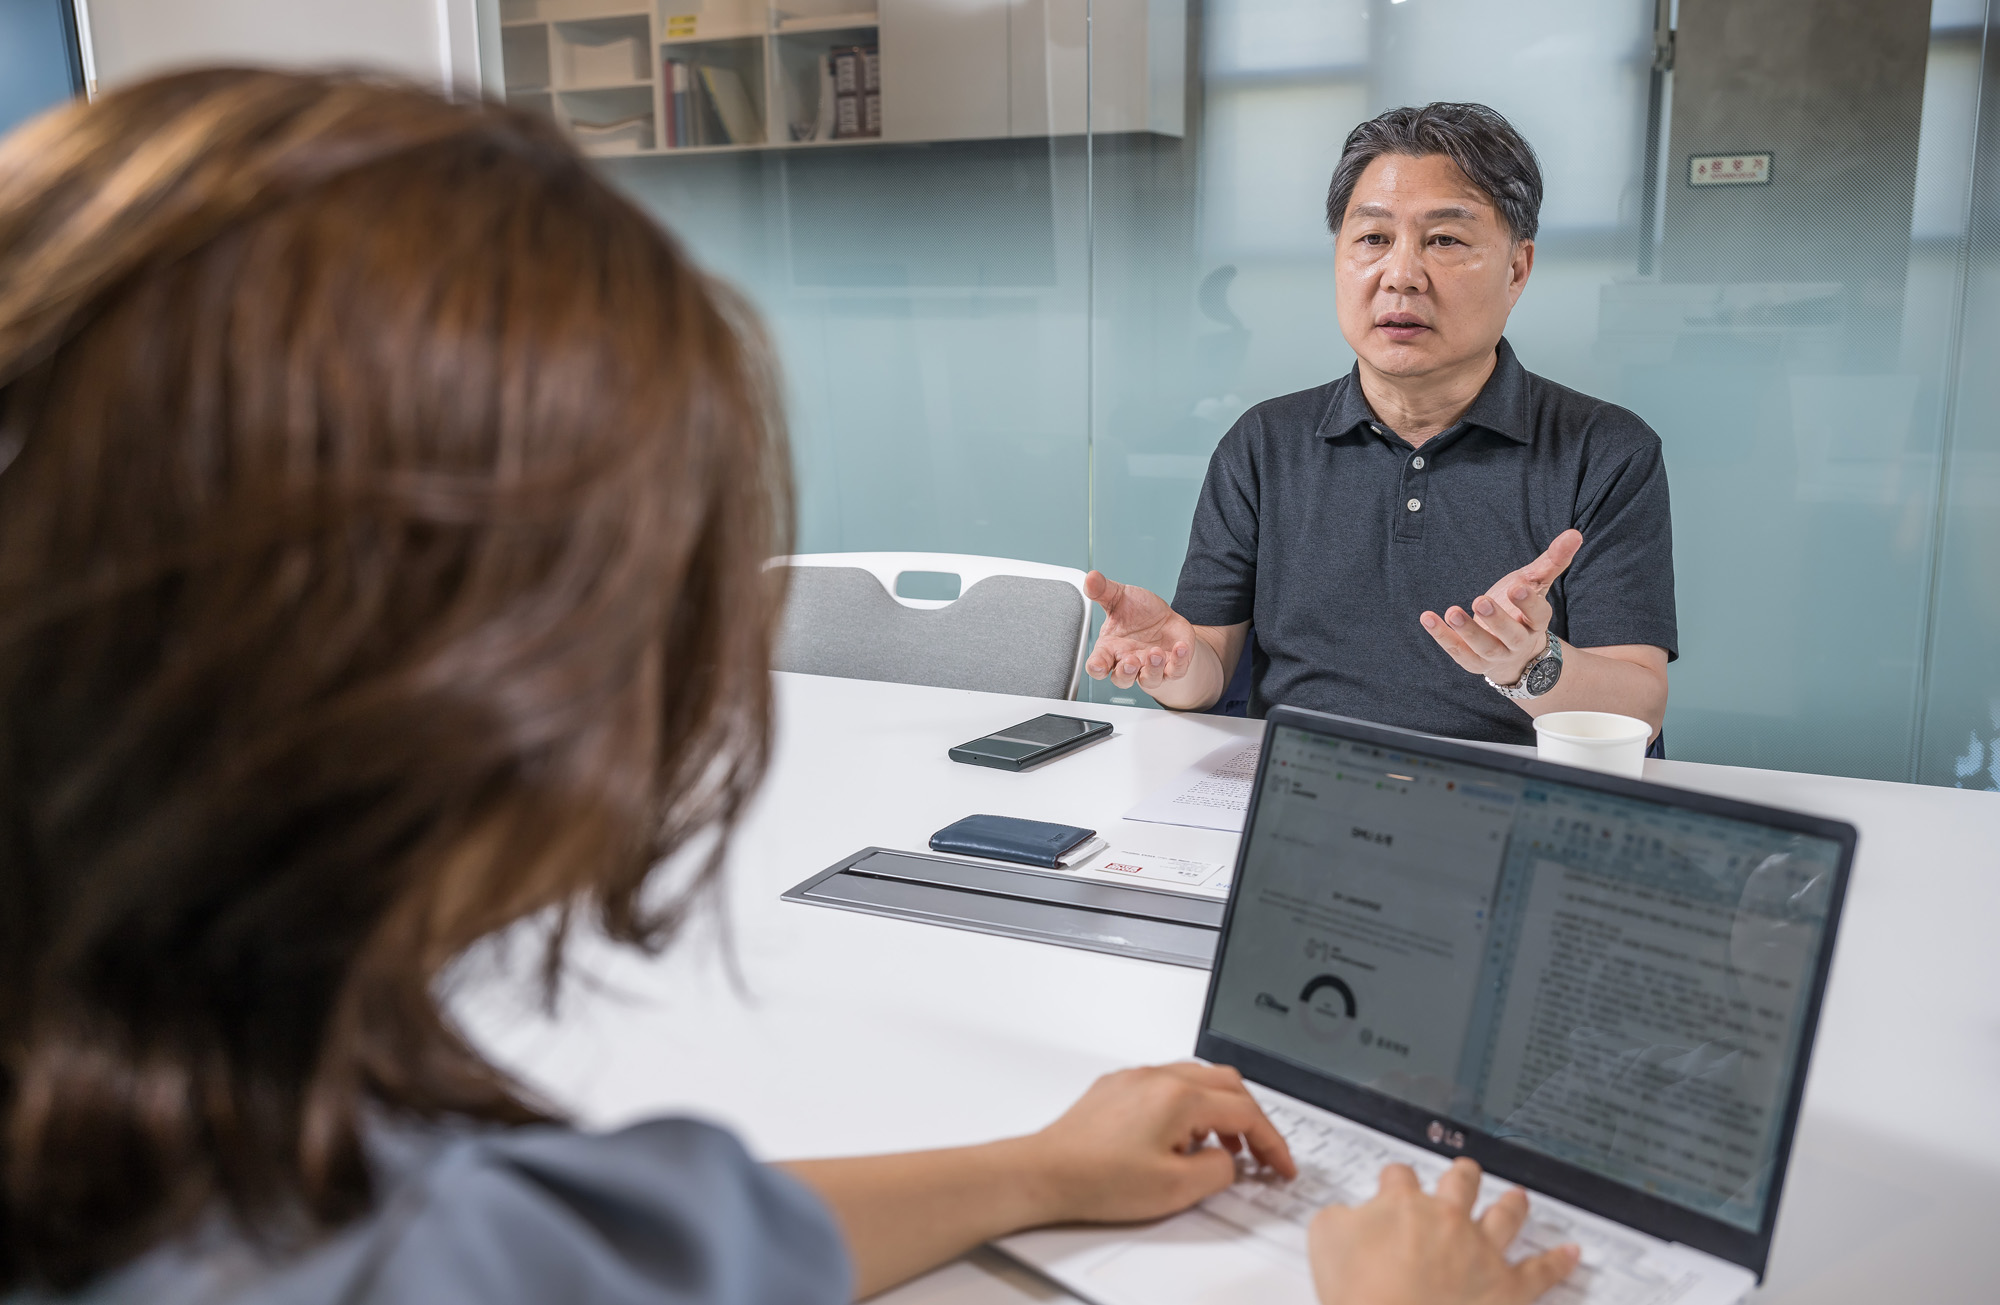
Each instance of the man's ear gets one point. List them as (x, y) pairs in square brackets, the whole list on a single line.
[(1522, 263)]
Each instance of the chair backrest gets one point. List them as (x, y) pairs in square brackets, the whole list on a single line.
[(1015, 627)]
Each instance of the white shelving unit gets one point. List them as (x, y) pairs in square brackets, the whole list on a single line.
[(949, 69)]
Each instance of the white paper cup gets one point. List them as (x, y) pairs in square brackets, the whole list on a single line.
[(1594, 740)]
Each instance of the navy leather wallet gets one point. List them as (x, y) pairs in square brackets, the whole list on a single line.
[(1003, 838)]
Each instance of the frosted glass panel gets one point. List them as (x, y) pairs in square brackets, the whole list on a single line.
[(1570, 74), (1792, 344), (1285, 36), (1089, 235), (900, 189), (928, 307), (1961, 721), (1255, 305)]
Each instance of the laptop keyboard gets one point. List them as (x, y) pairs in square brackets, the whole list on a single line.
[(1341, 1163)]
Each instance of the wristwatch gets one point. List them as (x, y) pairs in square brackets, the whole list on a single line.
[(1538, 677)]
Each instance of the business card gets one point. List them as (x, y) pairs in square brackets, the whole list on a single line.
[(1210, 878)]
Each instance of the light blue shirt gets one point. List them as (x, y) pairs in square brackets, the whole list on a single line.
[(670, 1212)]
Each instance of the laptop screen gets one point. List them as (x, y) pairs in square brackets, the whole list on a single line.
[(1617, 983)]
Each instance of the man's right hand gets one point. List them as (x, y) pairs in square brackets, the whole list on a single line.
[(1143, 642)]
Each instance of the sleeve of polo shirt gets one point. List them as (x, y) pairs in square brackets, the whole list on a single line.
[(1218, 582), (1620, 587)]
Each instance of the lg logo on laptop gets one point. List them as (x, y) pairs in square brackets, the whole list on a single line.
[(1442, 1136)]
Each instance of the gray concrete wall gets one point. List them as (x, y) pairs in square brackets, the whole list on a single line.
[(1834, 90)]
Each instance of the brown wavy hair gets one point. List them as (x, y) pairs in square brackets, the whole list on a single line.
[(383, 504)]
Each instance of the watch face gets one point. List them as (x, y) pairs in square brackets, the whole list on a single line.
[(1541, 677)]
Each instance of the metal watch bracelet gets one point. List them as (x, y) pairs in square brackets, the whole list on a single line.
[(1537, 677)]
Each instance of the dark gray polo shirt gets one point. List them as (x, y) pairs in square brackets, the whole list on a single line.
[(1331, 536)]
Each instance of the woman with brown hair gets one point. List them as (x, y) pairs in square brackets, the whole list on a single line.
[(383, 505)]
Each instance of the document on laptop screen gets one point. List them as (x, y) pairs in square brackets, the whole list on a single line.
[(1613, 982)]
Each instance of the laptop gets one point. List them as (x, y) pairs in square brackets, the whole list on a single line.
[(1604, 991)]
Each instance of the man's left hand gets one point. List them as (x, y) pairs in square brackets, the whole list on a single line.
[(1508, 626)]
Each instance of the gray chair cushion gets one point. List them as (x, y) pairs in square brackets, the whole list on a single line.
[(1006, 634)]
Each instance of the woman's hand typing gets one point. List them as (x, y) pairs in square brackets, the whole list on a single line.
[(1408, 1248), (1142, 1143)]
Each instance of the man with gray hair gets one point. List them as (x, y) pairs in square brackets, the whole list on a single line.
[(1366, 528)]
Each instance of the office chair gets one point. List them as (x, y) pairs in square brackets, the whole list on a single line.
[(1016, 627)]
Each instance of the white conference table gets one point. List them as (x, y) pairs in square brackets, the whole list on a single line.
[(843, 1033)]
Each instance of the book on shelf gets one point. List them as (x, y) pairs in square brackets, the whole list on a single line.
[(855, 74), (846, 63), (731, 103), (846, 117), (674, 87), (708, 104)]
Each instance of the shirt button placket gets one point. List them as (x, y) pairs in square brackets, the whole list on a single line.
[(1411, 524)]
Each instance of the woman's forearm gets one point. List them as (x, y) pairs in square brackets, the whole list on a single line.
[(1135, 1146), (906, 1214)]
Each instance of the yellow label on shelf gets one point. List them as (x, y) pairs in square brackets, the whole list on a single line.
[(681, 24)]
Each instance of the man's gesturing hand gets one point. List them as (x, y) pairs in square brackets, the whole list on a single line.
[(1406, 1248), (1143, 642), (1508, 626)]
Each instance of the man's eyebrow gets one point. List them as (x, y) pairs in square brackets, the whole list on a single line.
[(1457, 211)]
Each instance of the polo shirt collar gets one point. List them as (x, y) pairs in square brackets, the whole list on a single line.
[(1500, 407)]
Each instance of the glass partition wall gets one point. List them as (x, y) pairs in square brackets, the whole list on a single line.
[(1025, 261)]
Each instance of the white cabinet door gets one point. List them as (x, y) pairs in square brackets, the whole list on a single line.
[(133, 39), (977, 69), (1047, 67), (1139, 48), (944, 69)]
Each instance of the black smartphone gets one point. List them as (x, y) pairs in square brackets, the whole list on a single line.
[(1031, 743)]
